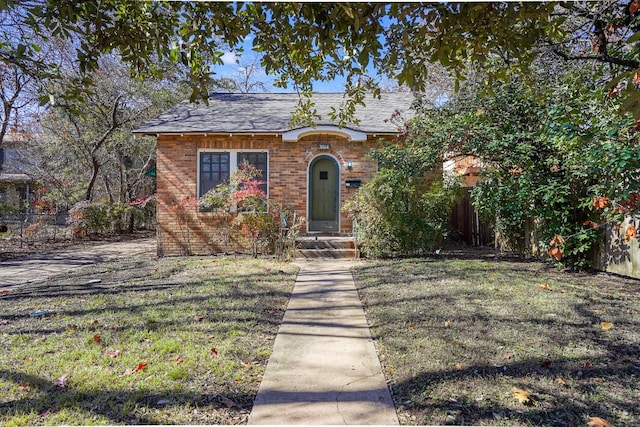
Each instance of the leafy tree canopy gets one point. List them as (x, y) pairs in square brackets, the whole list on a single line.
[(303, 42)]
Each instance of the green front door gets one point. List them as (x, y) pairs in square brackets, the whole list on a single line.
[(323, 195)]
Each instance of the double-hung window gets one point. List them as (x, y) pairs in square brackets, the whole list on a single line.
[(215, 168)]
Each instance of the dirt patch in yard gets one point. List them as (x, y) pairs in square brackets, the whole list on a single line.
[(14, 247)]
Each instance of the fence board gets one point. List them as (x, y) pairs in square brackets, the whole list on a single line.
[(618, 255), (465, 220)]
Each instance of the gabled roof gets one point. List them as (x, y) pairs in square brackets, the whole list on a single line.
[(271, 113)]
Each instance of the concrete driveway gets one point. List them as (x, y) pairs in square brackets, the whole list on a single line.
[(39, 267)]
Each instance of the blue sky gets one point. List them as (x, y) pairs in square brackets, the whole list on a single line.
[(231, 68)]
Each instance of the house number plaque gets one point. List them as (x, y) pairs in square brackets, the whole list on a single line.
[(324, 147)]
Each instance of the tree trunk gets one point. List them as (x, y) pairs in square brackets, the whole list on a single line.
[(94, 176)]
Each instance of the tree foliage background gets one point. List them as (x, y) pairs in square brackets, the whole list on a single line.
[(306, 42)]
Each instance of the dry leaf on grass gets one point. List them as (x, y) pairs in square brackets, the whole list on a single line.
[(598, 422), (544, 287), (140, 367), (521, 396), (606, 325)]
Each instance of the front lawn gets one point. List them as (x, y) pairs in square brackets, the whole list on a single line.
[(174, 341), (481, 342)]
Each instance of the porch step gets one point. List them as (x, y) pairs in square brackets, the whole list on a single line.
[(326, 247)]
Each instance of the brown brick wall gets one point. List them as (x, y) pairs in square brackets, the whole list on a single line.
[(182, 229)]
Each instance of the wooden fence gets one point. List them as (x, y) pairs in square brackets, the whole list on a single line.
[(617, 254), (465, 220)]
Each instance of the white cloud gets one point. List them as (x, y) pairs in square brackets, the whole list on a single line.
[(229, 58)]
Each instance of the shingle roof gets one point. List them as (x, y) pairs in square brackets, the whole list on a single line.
[(271, 112)]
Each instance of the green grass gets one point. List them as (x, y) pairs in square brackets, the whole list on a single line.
[(204, 327), (456, 335)]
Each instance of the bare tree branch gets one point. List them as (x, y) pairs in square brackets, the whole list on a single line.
[(627, 63)]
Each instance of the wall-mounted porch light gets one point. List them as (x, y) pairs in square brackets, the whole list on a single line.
[(349, 165)]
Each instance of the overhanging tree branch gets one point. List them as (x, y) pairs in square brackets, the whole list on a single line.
[(627, 63)]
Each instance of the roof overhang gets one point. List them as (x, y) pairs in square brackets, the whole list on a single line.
[(293, 135), (15, 178), (350, 134)]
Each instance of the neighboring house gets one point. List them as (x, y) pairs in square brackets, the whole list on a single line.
[(466, 167), (15, 184), (314, 170)]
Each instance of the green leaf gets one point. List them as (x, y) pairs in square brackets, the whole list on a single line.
[(634, 37), (20, 50)]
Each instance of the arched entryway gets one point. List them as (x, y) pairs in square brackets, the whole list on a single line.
[(324, 195)]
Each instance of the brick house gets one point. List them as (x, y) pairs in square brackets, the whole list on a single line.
[(314, 170)]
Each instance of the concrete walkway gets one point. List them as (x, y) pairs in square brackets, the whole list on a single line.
[(35, 268), (324, 368)]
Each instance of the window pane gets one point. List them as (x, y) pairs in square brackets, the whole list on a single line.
[(214, 170), (259, 161)]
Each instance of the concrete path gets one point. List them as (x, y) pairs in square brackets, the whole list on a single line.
[(324, 368), (34, 268)]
